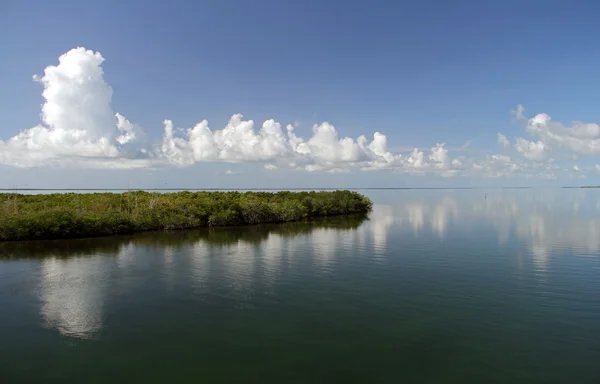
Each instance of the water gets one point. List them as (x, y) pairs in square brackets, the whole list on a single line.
[(436, 286)]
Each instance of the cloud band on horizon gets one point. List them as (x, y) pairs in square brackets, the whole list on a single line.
[(79, 128)]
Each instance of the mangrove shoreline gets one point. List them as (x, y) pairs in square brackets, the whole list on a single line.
[(75, 215), (222, 236)]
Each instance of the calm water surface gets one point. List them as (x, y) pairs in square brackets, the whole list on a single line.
[(434, 287)]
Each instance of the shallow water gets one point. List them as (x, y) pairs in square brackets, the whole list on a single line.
[(435, 286)]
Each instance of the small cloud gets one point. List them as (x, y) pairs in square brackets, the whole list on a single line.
[(466, 144), (297, 124), (270, 167), (503, 141), (576, 168), (230, 172), (518, 112)]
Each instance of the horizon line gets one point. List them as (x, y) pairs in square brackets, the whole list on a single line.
[(287, 189)]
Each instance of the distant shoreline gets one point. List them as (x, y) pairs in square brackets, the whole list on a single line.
[(11, 190), (78, 215)]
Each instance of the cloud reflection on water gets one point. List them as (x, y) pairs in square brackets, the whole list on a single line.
[(72, 294), (545, 221)]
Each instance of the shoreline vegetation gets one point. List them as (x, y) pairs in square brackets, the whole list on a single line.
[(225, 236), (81, 215)]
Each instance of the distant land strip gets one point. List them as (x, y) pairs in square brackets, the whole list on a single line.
[(272, 189)]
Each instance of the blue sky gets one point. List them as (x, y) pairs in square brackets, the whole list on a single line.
[(421, 73)]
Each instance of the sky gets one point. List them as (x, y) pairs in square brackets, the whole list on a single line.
[(298, 94)]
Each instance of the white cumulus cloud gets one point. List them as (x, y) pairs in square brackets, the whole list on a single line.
[(532, 150), (240, 142), (576, 139), (78, 122)]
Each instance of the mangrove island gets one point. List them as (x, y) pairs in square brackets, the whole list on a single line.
[(77, 215)]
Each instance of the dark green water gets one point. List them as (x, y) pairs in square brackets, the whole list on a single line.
[(435, 287)]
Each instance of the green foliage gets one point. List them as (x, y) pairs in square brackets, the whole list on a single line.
[(71, 215), (250, 234)]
